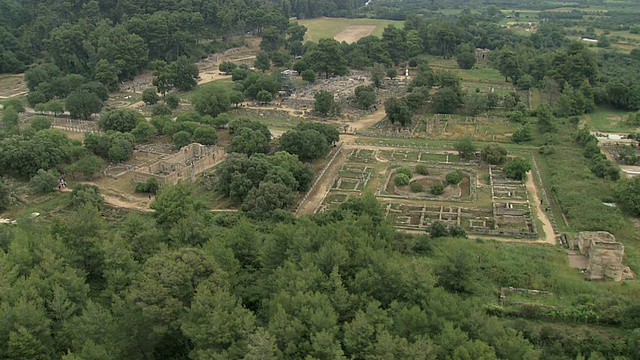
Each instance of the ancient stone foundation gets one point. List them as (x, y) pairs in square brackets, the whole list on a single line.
[(190, 161)]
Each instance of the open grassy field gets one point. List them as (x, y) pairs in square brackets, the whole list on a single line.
[(330, 27), (609, 120)]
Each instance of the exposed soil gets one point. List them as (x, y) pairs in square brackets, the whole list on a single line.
[(354, 33), (549, 234), (320, 190)]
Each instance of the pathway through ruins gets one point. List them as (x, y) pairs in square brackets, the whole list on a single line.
[(532, 189)]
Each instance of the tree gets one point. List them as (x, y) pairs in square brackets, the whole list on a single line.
[(377, 75), (465, 148), (205, 135), (401, 179), (437, 188), (150, 97), (522, 134), (174, 203), (185, 74), (10, 118), (266, 198), (330, 132), (365, 96), (44, 181), (236, 97), (249, 141), (398, 112), (438, 229), (454, 177), (475, 103), (181, 139), (107, 75), (82, 104), (628, 194), (122, 120), (227, 67), (144, 131), (392, 73), (309, 76), (40, 123), (212, 101), (87, 165), (324, 102), (494, 154), (5, 201), (121, 146), (264, 96), (307, 144), (517, 168), (466, 60), (262, 62), (35, 98), (55, 107), (446, 100), (327, 57), (16, 104), (172, 100)]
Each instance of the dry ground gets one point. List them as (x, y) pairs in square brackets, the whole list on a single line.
[(354, 33)]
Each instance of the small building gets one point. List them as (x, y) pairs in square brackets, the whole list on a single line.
[(482, 54), (604, 256), (594, 41)]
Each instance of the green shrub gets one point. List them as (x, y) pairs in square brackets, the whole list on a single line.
[(405, 170), (402, 179), (422, 169), (437, 189), (151, 186), (415, 187), (454, 177)]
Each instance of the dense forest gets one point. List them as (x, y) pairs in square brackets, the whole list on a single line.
[(184, 283)]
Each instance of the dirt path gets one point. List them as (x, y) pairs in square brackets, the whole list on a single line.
[(549, 234), (320, 190)]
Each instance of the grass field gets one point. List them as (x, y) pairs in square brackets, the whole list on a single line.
[(609, 120), (330, 27)]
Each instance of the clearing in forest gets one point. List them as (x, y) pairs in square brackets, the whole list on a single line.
[(324, 27), (354, 33)]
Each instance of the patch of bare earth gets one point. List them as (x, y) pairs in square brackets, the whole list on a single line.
[(320, 190), (354, 33)]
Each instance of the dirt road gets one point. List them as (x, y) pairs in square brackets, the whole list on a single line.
[(549, 234), (320, 190)]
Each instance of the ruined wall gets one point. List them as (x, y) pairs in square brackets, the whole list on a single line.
[(190, 161)]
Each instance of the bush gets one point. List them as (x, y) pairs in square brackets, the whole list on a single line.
[(84, 194), (151, 186), (181, 138), (150, 97), (44, 181), (160, 109), (454, 177), (172, 101), (405, 170), (416, 187), (437, 189), (401, 179), (422, 169)]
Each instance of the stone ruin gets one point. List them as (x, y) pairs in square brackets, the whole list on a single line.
[(604, 256), (482, 54), (190, 161)]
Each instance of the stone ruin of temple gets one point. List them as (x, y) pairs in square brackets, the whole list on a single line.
[(604, 256), (190, 161)]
